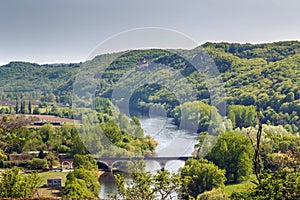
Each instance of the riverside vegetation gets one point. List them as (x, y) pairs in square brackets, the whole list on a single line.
[(258, 78)]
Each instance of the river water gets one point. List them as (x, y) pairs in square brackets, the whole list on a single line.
[(171, 142)]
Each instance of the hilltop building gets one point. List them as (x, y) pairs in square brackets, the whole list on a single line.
[(142, 65)]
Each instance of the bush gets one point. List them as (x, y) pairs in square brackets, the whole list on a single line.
[(36, 164), (202, 175), (282, 184), (214, 194)]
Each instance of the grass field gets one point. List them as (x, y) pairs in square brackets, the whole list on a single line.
[(50, 192), (240, 187), (50, 174)]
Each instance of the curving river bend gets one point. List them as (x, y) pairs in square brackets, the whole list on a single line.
[(171, 142)]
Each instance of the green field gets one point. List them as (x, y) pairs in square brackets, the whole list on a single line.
[(239, 187), (50, 174)]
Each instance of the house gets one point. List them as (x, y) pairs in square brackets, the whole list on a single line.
[(54, 182), (142, 65), (41, 123)]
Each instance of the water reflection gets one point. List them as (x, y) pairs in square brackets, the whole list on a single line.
[(171, 142), (108, 184)]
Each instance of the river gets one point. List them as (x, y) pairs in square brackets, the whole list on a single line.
[(171, 142)]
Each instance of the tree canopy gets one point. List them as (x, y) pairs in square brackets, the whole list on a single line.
[(233, 152)]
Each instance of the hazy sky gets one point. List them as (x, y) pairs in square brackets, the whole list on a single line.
[(49, 31)]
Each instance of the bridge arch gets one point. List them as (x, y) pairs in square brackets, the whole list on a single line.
[(66, 164), (110, 162), (104, 164)]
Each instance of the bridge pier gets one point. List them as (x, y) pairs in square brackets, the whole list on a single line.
[(161, 160), (162, 164)]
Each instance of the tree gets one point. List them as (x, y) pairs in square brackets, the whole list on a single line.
[(111, 131), (29, 107), (256, 147), (282, 184), (241, 116), (36, 111), (214, 194), (36, 164), (202, 175), (198, 116), (51, 160), (167, 183), (140, 185), (17, 107), (13, 185), (76, 188), (145, 185), (22, 110), (77, 146), (136, 121), (51, 98), (85, 161), (3, 156), (83, 181), (233, 152), (90, 179)]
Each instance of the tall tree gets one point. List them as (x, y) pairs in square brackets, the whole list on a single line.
[(17, 107), (22, 111), (83, 181), (145, 185), (29, 107), (233, 152), (202, 175)]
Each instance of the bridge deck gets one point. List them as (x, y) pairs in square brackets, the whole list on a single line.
[(147, 158)]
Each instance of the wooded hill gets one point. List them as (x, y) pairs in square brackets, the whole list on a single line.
[(263, 75)]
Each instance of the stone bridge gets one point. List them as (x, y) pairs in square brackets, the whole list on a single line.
[(66, 163), (109, 162)]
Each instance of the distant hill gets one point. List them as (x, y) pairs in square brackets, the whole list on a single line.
[(30, 77), (267, 75)]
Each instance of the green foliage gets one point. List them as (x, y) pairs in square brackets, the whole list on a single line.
[(35, 78), (281, 184), (14, 185), (198, 116), (87, 162), (123, 134), (2, 155), (214, 194), (145, 185), (266, 75), (112, 133), (253, 74), (83, 181), (233, 152), (36, 164), (15, 137), (52, 160), (140, 186), (77, 189), (279, 148), (241, 116), (202, 176)]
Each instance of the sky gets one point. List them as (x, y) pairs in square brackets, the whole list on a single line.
[(64, 31)]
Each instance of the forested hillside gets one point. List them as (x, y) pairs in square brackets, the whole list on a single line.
[(260, 75)]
